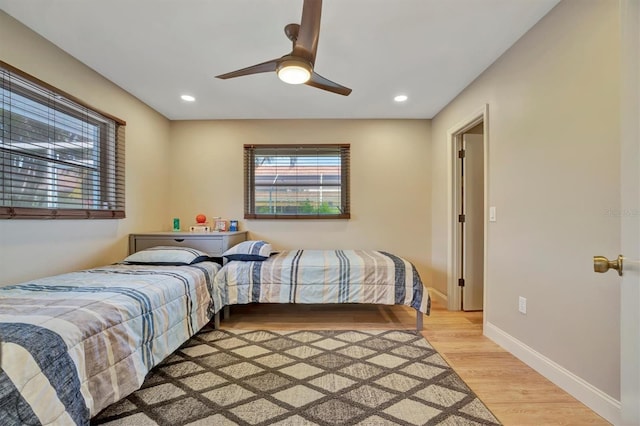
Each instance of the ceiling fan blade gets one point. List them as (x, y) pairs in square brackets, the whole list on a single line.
[(268, 66), (320, 82), (306, 44)]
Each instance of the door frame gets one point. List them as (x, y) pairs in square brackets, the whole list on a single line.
[(481, 115)]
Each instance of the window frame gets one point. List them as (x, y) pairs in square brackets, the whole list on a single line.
[(109, 178), (250, 182)]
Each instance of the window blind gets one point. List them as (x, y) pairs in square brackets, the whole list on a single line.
[(59, 158), (297, 181)]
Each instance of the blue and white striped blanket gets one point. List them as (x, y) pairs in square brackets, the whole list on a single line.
[(72, 344), (322, 276)]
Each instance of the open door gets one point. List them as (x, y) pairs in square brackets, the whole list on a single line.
[(472, 220), (628, 264), (630, 224)]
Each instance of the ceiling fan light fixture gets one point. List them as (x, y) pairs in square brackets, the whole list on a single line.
[(293, 71)]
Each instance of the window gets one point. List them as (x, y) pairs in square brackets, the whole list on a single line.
[(58, 157), (296, 181)]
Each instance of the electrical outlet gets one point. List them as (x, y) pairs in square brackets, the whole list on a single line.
[(522, 305)]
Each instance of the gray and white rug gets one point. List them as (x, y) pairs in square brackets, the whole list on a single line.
[(298, 378)]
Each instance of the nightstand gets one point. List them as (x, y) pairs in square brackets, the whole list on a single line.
[(212, 243)]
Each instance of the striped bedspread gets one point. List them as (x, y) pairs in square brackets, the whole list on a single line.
[(72, 344), (322, 276)]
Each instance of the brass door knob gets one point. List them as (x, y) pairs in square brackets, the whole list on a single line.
[(602, 264)]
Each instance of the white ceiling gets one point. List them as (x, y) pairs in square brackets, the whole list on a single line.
[(159, 49)]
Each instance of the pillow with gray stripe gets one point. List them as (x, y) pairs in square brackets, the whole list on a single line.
[(249, 251)]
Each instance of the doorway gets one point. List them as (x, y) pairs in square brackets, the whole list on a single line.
[(468, 207), (470, 197)]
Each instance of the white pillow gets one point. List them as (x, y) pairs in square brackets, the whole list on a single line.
[(249, 251), (167, 255)]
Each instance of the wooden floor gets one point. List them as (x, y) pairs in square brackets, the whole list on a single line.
[(514, 392)]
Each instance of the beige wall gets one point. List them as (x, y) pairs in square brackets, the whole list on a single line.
[(553, 176), (34, 248), (390, 172), (553, 173)]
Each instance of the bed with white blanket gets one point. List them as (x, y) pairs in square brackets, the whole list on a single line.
[(75, 343), (319, 276)]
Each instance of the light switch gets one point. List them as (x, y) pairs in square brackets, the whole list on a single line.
[(492, 214)]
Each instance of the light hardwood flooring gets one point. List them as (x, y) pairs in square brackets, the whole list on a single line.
[(515, 393)]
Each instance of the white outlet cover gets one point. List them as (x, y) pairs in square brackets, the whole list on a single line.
[(522, 305)]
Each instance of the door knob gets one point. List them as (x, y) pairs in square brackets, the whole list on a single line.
[(602, 264)]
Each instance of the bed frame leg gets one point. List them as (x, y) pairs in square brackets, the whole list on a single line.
[(226, 312), (418, 320), (216, 320)]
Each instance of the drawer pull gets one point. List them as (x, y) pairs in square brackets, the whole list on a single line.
[(179, 240)]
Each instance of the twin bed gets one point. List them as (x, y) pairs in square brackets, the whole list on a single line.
[(73, 344), (322, 276)]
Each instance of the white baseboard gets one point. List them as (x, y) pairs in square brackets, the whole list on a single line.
[(598, 401), (436, 295)]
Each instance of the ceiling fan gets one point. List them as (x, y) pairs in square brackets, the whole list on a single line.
[(297, 66)]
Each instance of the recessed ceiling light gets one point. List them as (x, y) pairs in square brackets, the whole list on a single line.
[(400, 98), (187, 98)]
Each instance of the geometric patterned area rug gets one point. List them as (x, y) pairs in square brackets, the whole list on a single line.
[(300, 378)]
